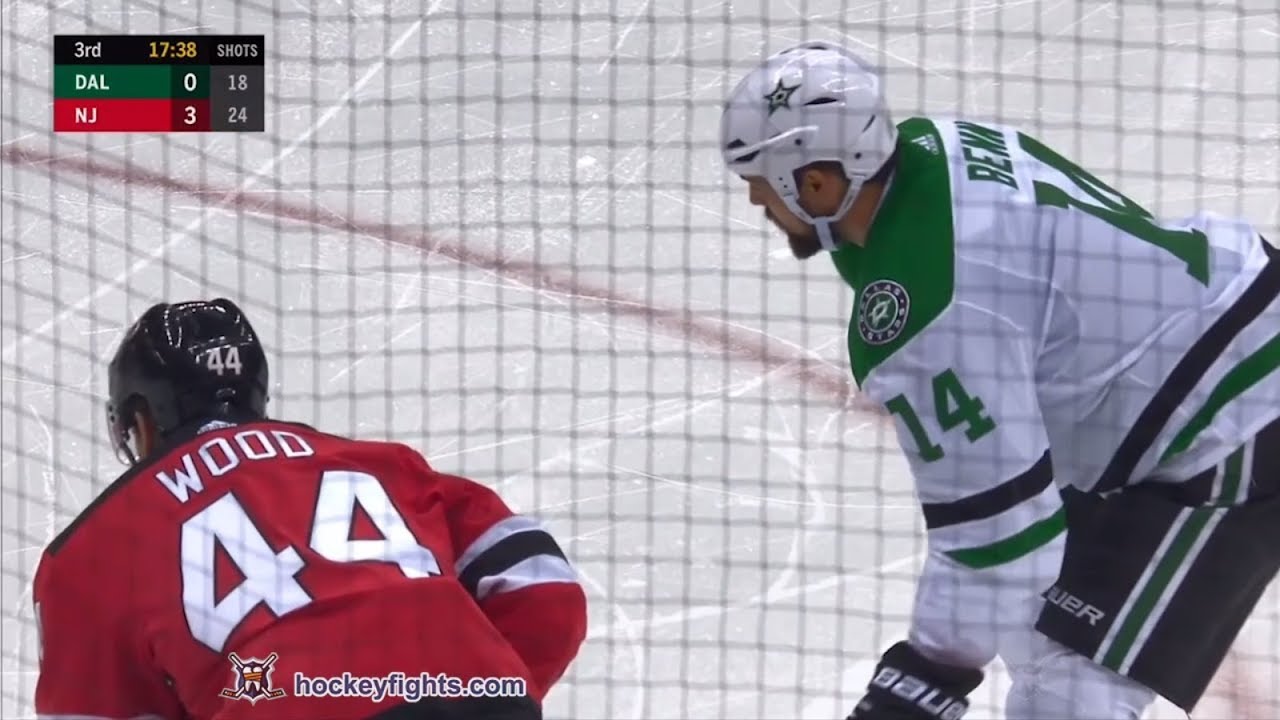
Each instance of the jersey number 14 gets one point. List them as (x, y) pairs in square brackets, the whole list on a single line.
[(953, 407), (269, 575), (1189, 246)]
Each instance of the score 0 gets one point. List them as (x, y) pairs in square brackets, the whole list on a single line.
[(190, 97)]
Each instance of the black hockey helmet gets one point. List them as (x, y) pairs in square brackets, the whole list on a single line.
[(183, 363)]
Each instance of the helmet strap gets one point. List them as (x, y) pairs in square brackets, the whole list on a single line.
[(825, 237), (822, 225)]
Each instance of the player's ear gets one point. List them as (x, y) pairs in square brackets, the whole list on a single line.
[(812, 181), (821, 187)]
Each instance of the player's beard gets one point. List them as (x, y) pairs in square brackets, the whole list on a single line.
[(803, 245)]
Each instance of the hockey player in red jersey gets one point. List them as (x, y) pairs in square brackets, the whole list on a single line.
[(246, 567)]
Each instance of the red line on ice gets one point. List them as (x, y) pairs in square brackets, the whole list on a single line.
[(812, 374)]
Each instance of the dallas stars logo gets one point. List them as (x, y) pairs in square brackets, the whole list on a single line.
[(882, 312), (781, 96)]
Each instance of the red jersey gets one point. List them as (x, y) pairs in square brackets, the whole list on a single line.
[(222, 568)]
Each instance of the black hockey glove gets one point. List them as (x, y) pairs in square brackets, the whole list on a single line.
[(909, 686)]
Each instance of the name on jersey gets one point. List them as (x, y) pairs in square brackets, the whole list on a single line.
[(220, 455), (986, 155)]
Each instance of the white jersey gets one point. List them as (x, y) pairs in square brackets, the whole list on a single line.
[(1030, 329)]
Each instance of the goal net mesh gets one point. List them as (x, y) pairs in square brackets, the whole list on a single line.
[(501, 232)]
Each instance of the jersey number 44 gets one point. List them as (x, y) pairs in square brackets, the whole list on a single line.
[(269, 576)]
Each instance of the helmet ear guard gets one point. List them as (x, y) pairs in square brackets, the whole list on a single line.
[(122, 428)]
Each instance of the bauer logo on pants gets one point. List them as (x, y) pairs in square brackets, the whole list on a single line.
[(882, 312), (1073, 605), (253, 679)]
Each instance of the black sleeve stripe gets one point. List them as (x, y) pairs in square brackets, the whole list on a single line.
[(990, 503), (507, 553)]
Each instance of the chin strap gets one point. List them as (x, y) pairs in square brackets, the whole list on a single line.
[(825, 236), (822, 225)]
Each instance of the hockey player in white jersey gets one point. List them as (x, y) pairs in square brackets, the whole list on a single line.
[(1086, 395)]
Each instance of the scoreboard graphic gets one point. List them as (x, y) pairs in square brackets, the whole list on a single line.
[(158, 83)]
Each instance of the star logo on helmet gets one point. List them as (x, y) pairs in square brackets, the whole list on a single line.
[(780, 97)]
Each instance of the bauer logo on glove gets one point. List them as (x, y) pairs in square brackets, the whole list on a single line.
[(924, 695)]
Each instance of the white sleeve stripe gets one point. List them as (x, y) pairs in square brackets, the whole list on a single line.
[(537, 570), (498, 532)]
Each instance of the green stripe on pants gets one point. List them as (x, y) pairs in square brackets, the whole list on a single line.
[(1231, 473), (1166, 566)]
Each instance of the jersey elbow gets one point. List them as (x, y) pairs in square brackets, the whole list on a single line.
[(546, 626), (523, 582)]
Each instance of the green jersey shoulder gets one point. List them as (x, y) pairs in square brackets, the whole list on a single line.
[(903, 278)]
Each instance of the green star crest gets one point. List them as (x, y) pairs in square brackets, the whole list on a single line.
[(882, 312), (781, 96)]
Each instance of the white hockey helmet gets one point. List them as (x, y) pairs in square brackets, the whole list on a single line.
[(806, 104)]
